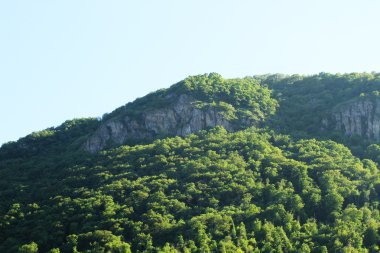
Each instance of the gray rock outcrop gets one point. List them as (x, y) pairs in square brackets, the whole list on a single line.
[(179, 119), (360, 117)]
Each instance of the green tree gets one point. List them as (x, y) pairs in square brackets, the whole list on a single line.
[(28, 248)]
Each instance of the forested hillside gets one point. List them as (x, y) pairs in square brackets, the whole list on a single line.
[(311, 106), (270, 164)]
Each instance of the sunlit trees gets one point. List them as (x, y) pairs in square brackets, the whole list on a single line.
[(292, 183)]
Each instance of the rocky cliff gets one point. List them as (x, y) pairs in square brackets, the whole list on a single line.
[(359, 117), (193, 104), (179, 118)]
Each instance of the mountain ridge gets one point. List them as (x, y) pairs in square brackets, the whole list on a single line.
[(197, 103), (213, 97), (278, 171)]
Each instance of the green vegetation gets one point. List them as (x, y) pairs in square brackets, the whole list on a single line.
[(242, 100), (282, 186), (65, 138), (215, 191), (306, 100)]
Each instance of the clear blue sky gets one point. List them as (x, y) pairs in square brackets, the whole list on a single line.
[(76, 58)]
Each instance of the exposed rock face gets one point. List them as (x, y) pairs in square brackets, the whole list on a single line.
[(181, 118), (361, 117)]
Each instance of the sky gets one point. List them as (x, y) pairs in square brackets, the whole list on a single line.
[(61, 60)]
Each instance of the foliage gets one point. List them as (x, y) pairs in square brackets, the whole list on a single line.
[(284, 186), (305, 102), (64, 138), (240, 100), (249, 191)]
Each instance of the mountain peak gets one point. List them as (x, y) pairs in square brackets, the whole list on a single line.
[(196, 103)]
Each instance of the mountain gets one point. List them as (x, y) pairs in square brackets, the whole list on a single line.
[(267, 163), (197, 103)]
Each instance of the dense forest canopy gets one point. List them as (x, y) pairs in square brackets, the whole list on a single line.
[(290, 183)]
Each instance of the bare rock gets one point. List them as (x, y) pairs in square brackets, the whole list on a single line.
[(360, 117), (180, 118)]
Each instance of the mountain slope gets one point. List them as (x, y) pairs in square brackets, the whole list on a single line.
[(341, 107), (197, 103), (250, 190), (211, 165)]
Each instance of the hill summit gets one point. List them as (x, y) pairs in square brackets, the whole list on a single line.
[(196, 103)]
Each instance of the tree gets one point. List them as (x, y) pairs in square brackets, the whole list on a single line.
[(242, 241), (28, 248), (333, 202)]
